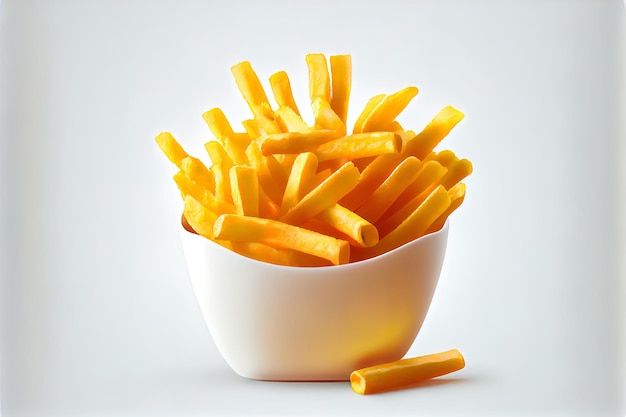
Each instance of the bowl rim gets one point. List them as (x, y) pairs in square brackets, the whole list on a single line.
[(444, 230)]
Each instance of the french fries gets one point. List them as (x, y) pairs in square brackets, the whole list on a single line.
[(282, 191)]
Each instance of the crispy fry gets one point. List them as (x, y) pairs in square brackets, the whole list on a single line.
[(263, 253), (324, 195), (456, 172), (360, 145), (402, 176), (369, 107), (300, 178), (252, 129), (433, 133), (218, 123), (198, 172), (266, 125), (319, 79), (199, 217), (295, 142), (446, 158), (371, 177), (362, 232), (341, 70), (171, 148), (281, 87), (326, 118), (270, 179), (388, 109), (457, 195), (188, 187), (405, 372), (244, 186), (290, 121), (251, 88), (236, 148), (222, 182), (281, 235), (218, 154)]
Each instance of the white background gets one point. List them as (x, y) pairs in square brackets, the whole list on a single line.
[(98, 314)]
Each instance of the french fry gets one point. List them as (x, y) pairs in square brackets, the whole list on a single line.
[(369, 107), (271, 175), (360, 231), (433, 133), (281, 87), (319, 79), (445, 157), (198, 172), (457, 195), (326, 118), (301, 176), (280, 235), (405, 372), (244, 185), (319, 178), (324, 195), (341, 72), (188, 187), (456, 172), (388, 109), (218, 123), (252, 129), (295, 142), (251, 89), (371, 177), (171, 148), (222, 182), (263, 253), (266, 125), (267, 207), (414, 226), (400, 178), (218, 153), (199, 217), (290, 121), (360, 145), (405, 135), (236, 148)]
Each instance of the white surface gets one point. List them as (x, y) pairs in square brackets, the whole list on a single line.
[(272, 322), (99, 316)]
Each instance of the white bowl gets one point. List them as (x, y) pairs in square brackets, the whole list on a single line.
[(275, 322)]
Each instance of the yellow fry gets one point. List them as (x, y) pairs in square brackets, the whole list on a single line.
[(295, 142), (369, 107), (199, 217), (405, 135), (401, 177), (371, 177), (267, 208), (244, 186), (250, 88), (457, 195), (171, 148), (414, 226), (360, 145), (289, 121), (263, 253), (326, 118), (446, 158), (302, 174), (319, 79), (217, 122), (456, 172), (405, 372), (222, 182), (198, 172), (281, 235), (252, 129), (362, 232), (438, 128), (324, 195), (188, 187), (341, 70), (266, 124), (271, 175), (388, 109), (281, 87)]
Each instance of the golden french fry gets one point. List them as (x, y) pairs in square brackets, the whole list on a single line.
[(369, 107), (360, 145), (290, 121), (281, 235), (198, 172), (295, 142), (371, 177), (446, 158), (341, 71), (251, 89), (222, 182), (457, 195), (324, 195), (171, 148), (218, 123), (400, 178), (362, 232), (199, 217), (188, 187), (414, 226), (326, 118), (405, 372), (218, 154), (281, 87), (456, 172), (252, 129), (236, 148), (388, 109), (433, 133), (244, 185), (271, 175), (263, 253), (302, 174), (319, 79), (266, 125)]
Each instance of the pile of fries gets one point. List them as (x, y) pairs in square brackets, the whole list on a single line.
[(291, 193)]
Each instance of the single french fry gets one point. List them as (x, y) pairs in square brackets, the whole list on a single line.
[(290, 121), (218, 123), (251, 89), (326, 118), (319, 79), (324, 195), (438, 128), (266, 125), (371, 177), (306, 260), (269, 170), (388, 109), (362, 232), (360, 145), (222, 182), (236, 148), (198, 172), (456, 172), (171, 148), (188, 187), (218, 153), (281, 235), (341, 71), (244, 185), (302, 174), (263, 253), (199, 217), (446, 158), (400, 178), (281, 87), (252, 129), (414, 226), (405, 135), (405, 372), (369, 107), (295, 142), (457, 195)]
